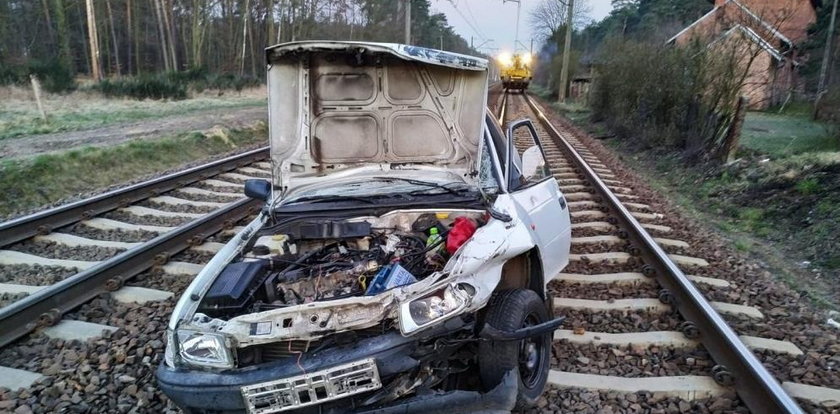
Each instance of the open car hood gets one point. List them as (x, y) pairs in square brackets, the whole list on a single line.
[(335, 106)]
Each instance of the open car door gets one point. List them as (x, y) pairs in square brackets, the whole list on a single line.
[(535, 190)]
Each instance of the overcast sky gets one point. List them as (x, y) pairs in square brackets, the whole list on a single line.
[(492, 19)]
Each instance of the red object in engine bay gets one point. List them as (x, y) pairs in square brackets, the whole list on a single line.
[(462, 230)]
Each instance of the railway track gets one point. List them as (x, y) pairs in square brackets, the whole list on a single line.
[(641, 334), (164, 229), (625, 348)]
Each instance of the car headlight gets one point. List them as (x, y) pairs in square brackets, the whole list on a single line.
[(441, 304), (204, 349), (169, 353)]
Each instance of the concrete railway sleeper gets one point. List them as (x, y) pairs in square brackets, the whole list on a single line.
[(75, 255), (628, 339), (624, 280)]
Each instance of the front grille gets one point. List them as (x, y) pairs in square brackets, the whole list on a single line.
[(311, 389), (284, 349), (276, 351)]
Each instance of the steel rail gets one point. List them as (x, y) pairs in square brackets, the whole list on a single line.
[(46, 306), (738, 366), (48, 220), (503, 109)]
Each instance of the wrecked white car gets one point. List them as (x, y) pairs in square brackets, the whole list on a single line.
[(401, 260)]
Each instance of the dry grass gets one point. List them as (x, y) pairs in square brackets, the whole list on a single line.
[(47, 179), (83, 109)]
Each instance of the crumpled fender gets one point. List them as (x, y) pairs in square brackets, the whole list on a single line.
[(479, 262)]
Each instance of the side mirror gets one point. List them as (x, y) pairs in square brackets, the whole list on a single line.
[(529, 165), (258, 189)]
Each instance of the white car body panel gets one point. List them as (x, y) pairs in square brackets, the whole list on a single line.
[(537, 218)]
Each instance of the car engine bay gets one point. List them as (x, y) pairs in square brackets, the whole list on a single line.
[(316, 260)]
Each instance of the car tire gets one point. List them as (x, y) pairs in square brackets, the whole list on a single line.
[(507, 311)]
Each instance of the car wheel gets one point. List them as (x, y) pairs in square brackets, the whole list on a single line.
[(507, 311)]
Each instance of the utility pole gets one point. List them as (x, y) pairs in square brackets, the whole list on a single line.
[(564, 72), (516, 32), (826, 61), (516, 35), (408, 22)]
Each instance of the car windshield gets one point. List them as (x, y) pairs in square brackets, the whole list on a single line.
[(378, 187)]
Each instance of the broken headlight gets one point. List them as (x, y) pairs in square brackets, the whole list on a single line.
[(169, 353), (441, 304), (204, 349)]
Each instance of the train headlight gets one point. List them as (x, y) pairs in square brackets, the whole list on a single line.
[(505, 59), (527, 58)]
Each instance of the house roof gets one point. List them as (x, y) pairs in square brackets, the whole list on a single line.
[(696, 22), (752, 35), (772, 29), (769, 27), (815, 3)]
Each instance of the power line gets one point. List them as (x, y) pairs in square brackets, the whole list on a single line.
[(469, 11), (474, 29)]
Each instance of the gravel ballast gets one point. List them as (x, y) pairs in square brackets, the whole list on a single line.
[(55, 250), (789, 315), (33, 275), (83, 230), (562, 401), (150, 220), (653, 361)]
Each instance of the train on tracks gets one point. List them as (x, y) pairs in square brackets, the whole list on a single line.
[(515, 70)]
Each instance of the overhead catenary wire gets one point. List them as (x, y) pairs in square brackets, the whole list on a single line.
[(472, 26), (469, 11)]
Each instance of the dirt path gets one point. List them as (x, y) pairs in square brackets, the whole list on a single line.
[(144, 129)]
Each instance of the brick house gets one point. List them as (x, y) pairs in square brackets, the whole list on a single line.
[(766, 34)]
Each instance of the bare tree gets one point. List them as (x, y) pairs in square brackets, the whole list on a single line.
[(246, 11), (170, 32), (93, 39), (114, 38), (167, 64), (746, 66), (550, 15)]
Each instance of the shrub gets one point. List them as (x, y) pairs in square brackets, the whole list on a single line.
[(173, 85), (226, 81), (54, 76), (667, 96), (143, 87), (808, 186)]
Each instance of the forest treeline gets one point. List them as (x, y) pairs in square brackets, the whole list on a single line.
[(60, 39)]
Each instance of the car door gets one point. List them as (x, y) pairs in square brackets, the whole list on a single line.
[(534, 189)]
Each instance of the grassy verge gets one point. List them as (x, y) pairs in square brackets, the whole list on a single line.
[(577, 112), (783, 135), (83, 110), (784, 213), (46, 179), (779, 203)]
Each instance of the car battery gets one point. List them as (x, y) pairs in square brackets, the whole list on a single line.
[(389, 277)]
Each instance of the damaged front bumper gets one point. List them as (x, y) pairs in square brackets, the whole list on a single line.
[(221, 392)]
